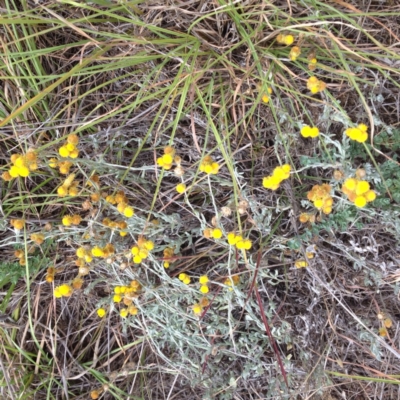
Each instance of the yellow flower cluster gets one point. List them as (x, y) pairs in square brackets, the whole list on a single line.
[(198, 307), (69, 187), (122, 204), (238, 241), (131, 310), (141, 251), (63, 166), (167, 159), (358, 192), (69, 148), (18, 223), (313, 63), (320, 195), (122, 225), (265, 96), (168, 254), (306, 217), (209, 166), (69, 220), (232, 281), (278, 175), (359, 134), (126, 295), (64, 290), (84, 254), (185, 278), (22, 166), (295, 52), (38, 238), (314, 85), (214, 233), (51, 272), (203, 280), (103, 252), (308, 131), (285, 39), (21, 256)]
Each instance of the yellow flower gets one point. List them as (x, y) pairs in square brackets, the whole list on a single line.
[(301, 264), (74, 153), (319, 203), (217, 233), (167, 159), (18, 223), (295, 52), (359, 134), (278, 175), (73, 191), (117, 298), (244, 244), (204, 289), (265, 96), (101, 312), (128, 212), (360, 201), (70, 147), (67, 220), (182, 276), (137, 259), (203, 279), (180, 188), (149, 245), (63, 151), (38, 238), (209, 166), (304, 218), (76, 219), (97, 251), (232, 238), (73, 139), (6, 176), (370, 196), (314, 85), (271, 182), (362, 187), (327, 210), (169, 150), (133, 310), (23, 171), (65, 290), (143, 253), (197, 309), (124, 312), (350, 184), (117, 289), (285, 39), (235, 279), (308, 131)]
